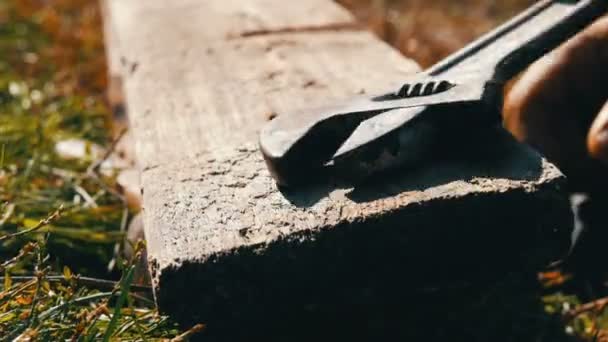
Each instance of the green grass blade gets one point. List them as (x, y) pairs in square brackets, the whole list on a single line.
[(125, 286)]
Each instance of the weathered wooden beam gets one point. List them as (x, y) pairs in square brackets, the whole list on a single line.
[(227, 248)]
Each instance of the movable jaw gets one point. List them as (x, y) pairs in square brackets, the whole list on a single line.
[(297, 144), (407, 136)]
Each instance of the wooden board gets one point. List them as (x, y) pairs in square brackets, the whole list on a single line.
[(227, 248)]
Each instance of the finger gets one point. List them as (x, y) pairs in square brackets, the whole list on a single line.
[(540, 110), (597, 140), (554, 102), (571, 79)]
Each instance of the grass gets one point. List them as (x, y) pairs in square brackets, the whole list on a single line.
[(61, 218), (57, 211)]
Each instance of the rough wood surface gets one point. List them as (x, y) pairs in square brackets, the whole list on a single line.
[(225, 245)]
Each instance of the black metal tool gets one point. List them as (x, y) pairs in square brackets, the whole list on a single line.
[(468, 84)]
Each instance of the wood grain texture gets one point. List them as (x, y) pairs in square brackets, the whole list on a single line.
[(220, 202), (226, 247), (221, 93)]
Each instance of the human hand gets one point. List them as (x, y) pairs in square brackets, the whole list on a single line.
[(559, 106)]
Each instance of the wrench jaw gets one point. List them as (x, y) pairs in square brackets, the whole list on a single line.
[(466, 98), (414, 143), (361, 134), (293, 157), (297, 146), (360, 157)]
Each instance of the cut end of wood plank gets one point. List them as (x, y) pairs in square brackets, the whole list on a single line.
[(498, 207)]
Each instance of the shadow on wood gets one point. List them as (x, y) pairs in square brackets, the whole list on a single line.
[(455, 157)]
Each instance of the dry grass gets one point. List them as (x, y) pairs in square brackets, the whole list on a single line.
[(52, 88)]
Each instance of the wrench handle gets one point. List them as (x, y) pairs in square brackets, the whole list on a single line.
[(510, 48)]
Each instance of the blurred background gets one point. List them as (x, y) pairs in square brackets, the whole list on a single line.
[(428, 30)]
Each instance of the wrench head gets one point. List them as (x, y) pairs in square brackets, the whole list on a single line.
[(295, 145)]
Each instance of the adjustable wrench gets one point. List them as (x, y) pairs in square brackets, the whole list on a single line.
[(466, 86)]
